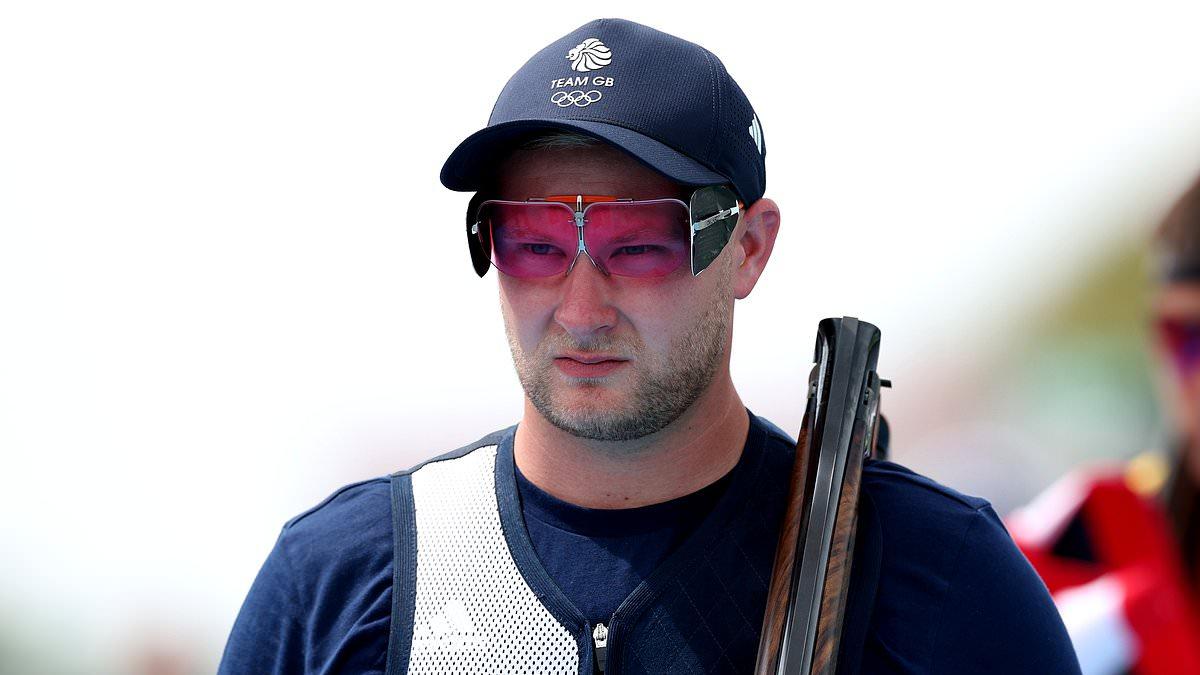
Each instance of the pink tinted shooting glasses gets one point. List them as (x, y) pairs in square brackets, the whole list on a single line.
[(543, 237)]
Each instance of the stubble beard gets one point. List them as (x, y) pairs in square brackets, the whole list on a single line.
[(659, 396)]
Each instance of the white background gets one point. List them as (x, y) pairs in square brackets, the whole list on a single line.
[(231, 282)]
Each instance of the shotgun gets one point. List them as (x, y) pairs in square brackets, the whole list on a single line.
[(841, 427)]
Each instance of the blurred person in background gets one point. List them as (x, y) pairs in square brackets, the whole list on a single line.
[(1119, 546)]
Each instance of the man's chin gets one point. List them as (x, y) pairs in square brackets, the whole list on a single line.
[(604, 409), (602, 427), (589, 407), (593, 415)]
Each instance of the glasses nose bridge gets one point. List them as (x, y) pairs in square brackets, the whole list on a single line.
[(583, 251), (579, 214)]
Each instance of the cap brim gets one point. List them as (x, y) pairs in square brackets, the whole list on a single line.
[(469, 167)]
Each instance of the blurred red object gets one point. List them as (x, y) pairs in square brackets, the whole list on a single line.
[(1107, 556)]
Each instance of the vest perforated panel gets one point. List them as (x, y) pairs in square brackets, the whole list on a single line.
[(474, 613)]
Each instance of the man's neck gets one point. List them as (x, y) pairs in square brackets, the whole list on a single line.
[(693, 451)]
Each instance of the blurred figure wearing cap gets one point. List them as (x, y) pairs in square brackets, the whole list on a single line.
[(1119, 546), (628, 522)]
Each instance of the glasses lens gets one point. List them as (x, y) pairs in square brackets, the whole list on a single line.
[(529, 239), (712, 233), (1183, 341), (637, 239)]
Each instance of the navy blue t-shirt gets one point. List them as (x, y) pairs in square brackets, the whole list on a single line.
[(952, 593), (598, 556)]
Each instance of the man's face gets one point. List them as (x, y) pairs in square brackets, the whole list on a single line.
[(666, 337), (1179, 304)]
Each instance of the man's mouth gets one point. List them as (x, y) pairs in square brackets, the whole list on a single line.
[(590, 358), (588, 365)]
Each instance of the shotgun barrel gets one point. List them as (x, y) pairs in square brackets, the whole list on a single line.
[(811, 574)]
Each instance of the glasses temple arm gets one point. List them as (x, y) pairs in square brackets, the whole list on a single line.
[(719, 215)]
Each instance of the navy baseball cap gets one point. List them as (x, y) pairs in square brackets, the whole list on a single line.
[(665, 101)]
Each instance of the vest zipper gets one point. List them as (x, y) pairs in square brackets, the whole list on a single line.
[(600, 638)]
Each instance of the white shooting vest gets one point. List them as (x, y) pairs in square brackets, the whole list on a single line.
[(474, 611), (469, 594)]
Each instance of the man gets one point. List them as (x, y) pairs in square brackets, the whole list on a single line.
[(628, 523), (1119, 546)]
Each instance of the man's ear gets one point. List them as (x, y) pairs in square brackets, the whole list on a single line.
[(752, 243)]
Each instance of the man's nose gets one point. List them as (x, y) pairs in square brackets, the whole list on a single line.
[(585, 308)]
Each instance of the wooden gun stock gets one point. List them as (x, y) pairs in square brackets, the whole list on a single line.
[(809, 582)]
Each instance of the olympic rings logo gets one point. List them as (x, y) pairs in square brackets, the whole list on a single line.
[(577, 98)]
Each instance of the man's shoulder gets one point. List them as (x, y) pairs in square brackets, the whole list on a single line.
[(343, 507), (360, 512), (948, 560), (899, 493), (351, 529), (893, 487), (925, 524), (921, 523)]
